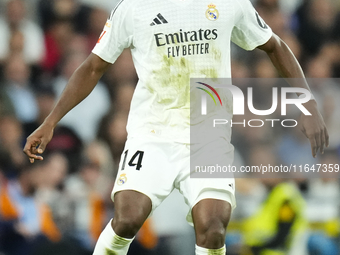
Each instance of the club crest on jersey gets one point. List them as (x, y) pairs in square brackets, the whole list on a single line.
[(212, 12), (122, 179)]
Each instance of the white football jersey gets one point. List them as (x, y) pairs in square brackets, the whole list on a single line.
[(172, 41)]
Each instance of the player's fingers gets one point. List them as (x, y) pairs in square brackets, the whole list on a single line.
[(42, 147), (326, 137), (322, 141), (30, 150), (313, 145), (33, 156), (37, 157), (318, 141)]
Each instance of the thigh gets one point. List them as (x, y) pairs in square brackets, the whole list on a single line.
[(145, 168), (132, 204), (131, 210)]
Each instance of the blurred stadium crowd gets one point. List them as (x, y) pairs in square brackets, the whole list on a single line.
[(60, 205)]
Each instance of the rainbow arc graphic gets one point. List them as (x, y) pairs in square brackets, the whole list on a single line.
[(209, 93), (204, 99)]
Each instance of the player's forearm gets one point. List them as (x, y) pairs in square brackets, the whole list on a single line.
[(285, 62), (80, 85)]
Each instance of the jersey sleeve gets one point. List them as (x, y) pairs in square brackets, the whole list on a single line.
[(250, 30), (117, 33)]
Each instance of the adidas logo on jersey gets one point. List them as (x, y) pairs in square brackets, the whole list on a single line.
[(158, 20)]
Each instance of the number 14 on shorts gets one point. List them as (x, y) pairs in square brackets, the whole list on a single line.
[(136, 160)]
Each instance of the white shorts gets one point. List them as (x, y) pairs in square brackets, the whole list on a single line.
[(155, 166)]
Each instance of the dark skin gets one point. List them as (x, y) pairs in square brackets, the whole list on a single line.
[(285, 62), (211, 216)]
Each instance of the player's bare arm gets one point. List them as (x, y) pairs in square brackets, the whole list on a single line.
[(78, 88), (312, 126)]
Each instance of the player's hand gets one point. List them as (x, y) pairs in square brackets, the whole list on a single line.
[(37, 141), (314, 128)]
